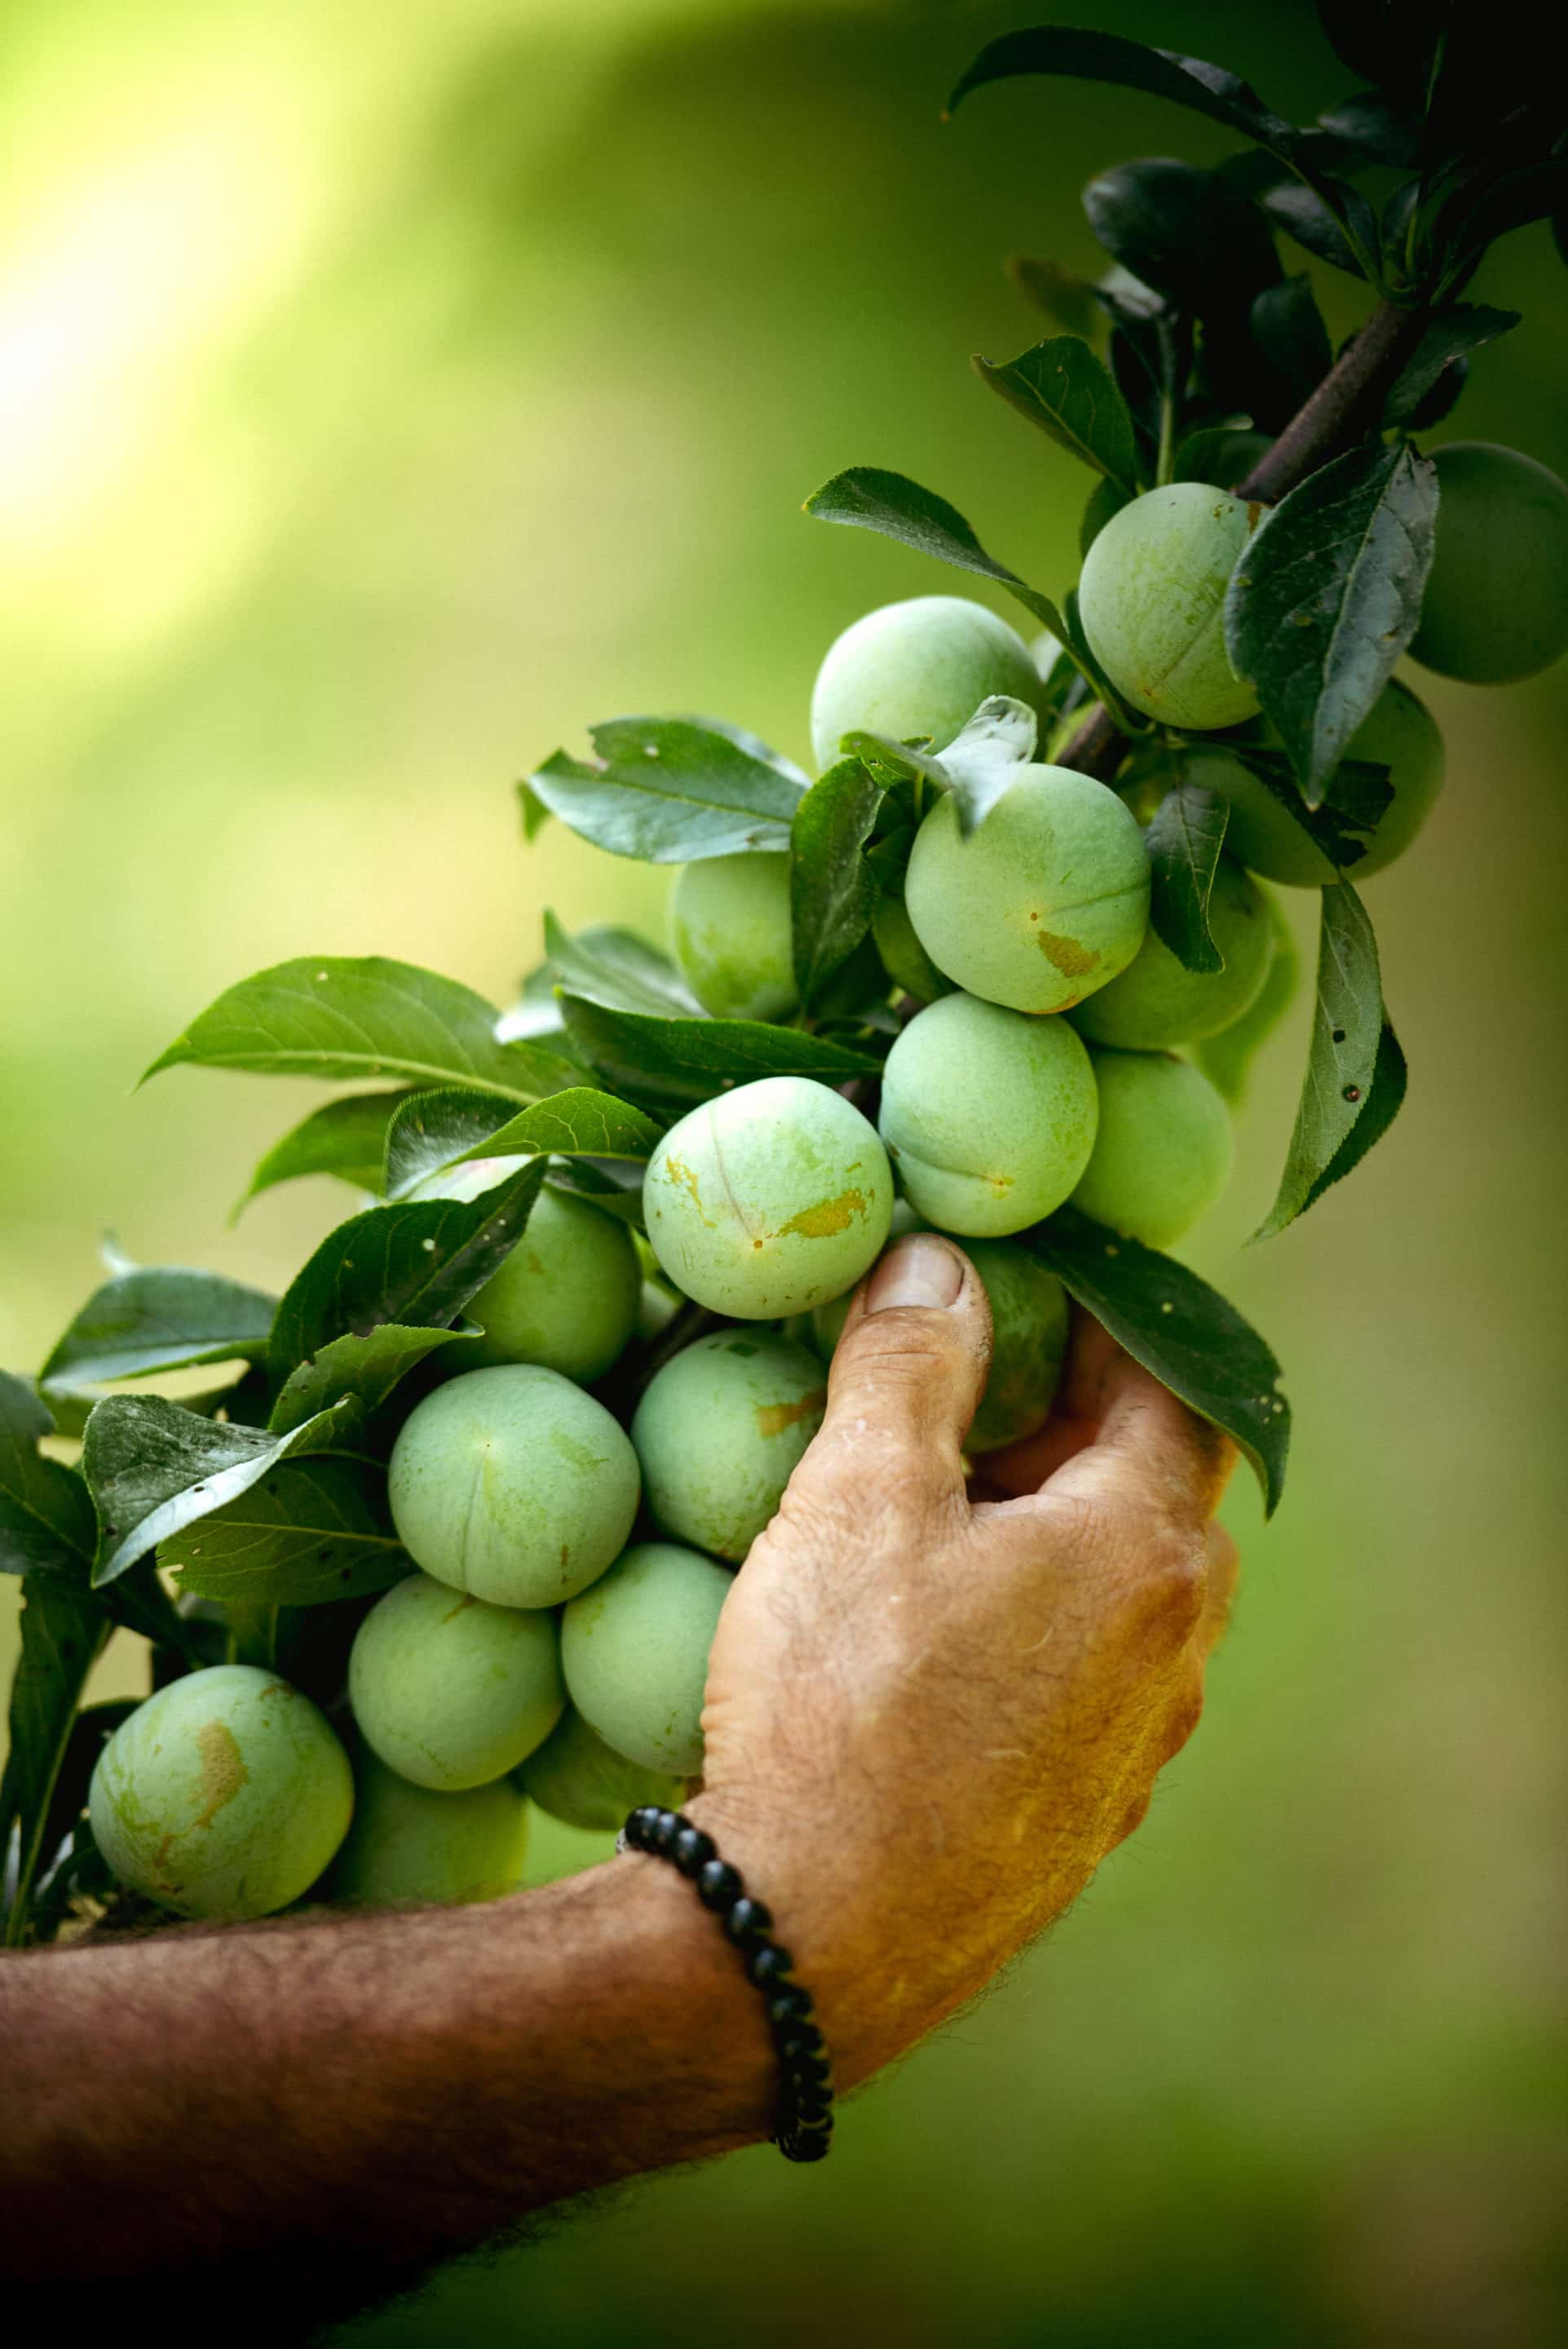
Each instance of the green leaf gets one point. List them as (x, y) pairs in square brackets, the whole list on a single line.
[(1227, 1058), (450, 1128), (1221, 453), (1068, 301), (674, 1063), (1287, 327), (1342, 1063), (618, 968), (1390, 1079), (358, 1370), (1184, 839), (1327, 595), (63, 1630), (1186, 232), (832, 889), (614, 1185), (162, 1319), (1303, 215), (416, 1262), (870, 499), (1451, 334), (314, 1530), (1182, 1332), (336, 1018), (346, 1138), (669, 792), (152, 1467), (1105, 500), (983, 760), (1358, 795), (45, 1515), (1061, 387)]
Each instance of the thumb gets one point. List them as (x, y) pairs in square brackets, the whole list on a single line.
[(907, 1377)]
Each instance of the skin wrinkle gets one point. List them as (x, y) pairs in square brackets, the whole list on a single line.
[(343, 2099)]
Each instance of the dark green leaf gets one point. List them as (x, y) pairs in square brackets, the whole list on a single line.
[(329, 1016), (154, 1466), (1186, 232), (1452, 334), (1390, 1078), (1346, 1028), (833, 890), (1326, 597), (63, 1630), (346, 1138), (870, 499), (616, 1186), (619, 969), (416, 1262), (1288, 329), (1061, 385), (445, 1129), (1104, 501), (1303, 215), (314, 1530), (668, 792), (1068, 302), (358, 1370), (1373, 131), (162, 1318), (1466, 225), (673, 1063), (138, 1602), (1388, 42), (1191, 1339), (1221, 453), (45, 1517), (1184, 839), (1353, 806)]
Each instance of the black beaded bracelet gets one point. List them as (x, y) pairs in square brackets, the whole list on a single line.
[(805, 2126)]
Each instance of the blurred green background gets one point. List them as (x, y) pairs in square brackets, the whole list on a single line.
[(385, 393)]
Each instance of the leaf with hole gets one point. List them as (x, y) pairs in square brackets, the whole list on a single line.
[(668, 792), (314, 1530)]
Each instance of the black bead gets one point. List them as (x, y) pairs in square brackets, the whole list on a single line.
[(799, 2032), (692, 1850), (769, 1964), (808, 2066), (792, 2009), (665, 1827), (636, 1827), (719, 1886), (807, 2146), (749, 1920), (809, 2115)]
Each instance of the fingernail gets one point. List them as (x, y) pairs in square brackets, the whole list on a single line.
[(919, 1269)]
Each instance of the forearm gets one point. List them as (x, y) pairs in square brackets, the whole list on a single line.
[(370, 2091)]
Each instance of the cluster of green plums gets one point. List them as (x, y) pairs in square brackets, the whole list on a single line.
[(551, 1645)]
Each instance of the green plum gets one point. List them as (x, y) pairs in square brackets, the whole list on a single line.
[(577, 1778), (1046, 899), (450, 1691), (1162, 1154), (1227, 1058), (1151, 597), (224, 1796), (1401, 733), (765, 1201), (918, 668), (1496, 606), (729, 929), (718, 1433), (1029, 1336), (1157, 1002), (409, 1843), (634, 1650), (566, 1298), (989, 1114), (513, 1485)]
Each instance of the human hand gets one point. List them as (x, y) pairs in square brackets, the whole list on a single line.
[(933, 1708)]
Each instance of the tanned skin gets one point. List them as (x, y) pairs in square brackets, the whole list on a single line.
[(932, 1710)]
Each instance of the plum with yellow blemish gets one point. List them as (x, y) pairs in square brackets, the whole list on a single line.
[(718, 1433), (223, 1796), (452, 1693), (769, 1199), (1157, 1002), (1151, 598), (989, 1114), (1048, 898), (635, 1649), (513, 1485)]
